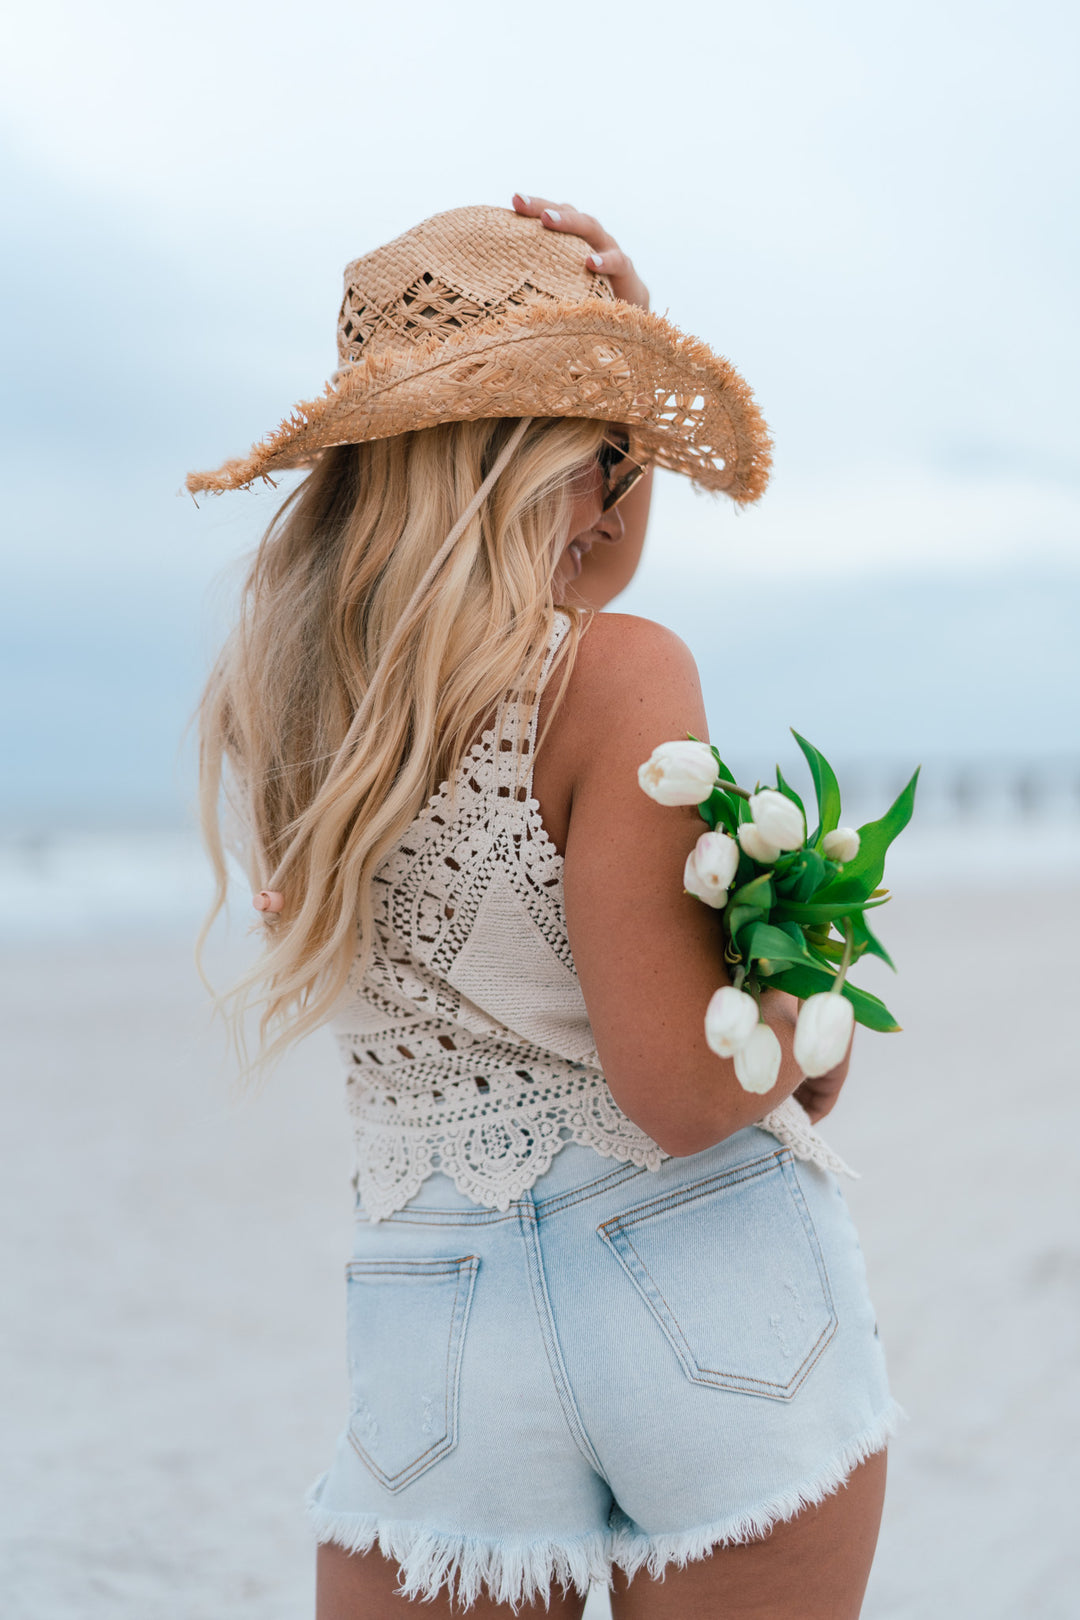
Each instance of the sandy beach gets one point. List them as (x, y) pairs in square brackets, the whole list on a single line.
[(173, 1369)]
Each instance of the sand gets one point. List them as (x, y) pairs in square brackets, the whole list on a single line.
[(173, 1368)]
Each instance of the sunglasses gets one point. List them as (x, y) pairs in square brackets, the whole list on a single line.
[(618, 469)]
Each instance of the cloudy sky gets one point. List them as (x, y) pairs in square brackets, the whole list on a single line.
[(870, 210)]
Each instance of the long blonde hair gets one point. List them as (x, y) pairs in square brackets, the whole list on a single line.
[(321, 801)]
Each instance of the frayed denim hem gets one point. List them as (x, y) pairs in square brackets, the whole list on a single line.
[(633, 1550), (514, 1572)]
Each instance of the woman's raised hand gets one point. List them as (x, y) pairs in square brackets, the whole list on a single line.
[(607, 257)]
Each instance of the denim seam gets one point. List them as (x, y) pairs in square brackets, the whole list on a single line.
[(531, 1238), (448, 1440), (543, 1208), (591, 1189), (697, 1189), (391, 1267), (799, 1199)]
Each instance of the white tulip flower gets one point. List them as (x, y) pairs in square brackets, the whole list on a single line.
[(757, 1064), (730, 1020), (823, 1032), (756, 845), (710, 868), (841, 845), (679, 773), (778, 819)]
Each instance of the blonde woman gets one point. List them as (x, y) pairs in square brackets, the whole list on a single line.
[(607, 1313)]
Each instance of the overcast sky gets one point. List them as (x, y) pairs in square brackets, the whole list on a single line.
[(870, 210)]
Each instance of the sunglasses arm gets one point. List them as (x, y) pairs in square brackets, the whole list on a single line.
[(608, 569)]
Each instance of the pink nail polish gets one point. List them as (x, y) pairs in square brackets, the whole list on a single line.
[(596, 260), (552, 214)]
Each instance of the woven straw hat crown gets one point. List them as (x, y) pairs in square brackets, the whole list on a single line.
[(481, 312)]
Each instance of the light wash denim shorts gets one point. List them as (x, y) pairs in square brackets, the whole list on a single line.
[(628, 1366)]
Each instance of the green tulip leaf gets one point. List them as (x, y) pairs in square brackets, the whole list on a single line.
[(819, 910), (811, 876), (775, 945), (758, 892), (719, 811), (860, 877), (803, 980), (826, 787), (789, 792), (726, 773), (869, 1011), (867, 942)]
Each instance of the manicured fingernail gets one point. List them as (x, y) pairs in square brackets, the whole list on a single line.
[(552, 214), (596, 260), (521, 197)]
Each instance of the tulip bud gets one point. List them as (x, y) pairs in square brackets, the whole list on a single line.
[(679, 773), (730, 1020), (841, 845), (757, 1064), (778, 819), (823, 1032), (756, 846), (710, 868)]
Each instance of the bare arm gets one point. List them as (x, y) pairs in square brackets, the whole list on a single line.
[(648, 956)]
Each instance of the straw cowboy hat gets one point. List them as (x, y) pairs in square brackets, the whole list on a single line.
[(480, 312)]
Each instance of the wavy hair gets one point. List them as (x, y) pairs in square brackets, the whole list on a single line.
[(320, 800)]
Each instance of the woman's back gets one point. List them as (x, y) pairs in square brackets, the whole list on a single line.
[(467, 1040)]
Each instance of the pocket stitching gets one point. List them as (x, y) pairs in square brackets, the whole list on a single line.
[(697, 1189), (464, 1265)]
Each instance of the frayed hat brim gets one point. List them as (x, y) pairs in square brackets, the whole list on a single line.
[(688, 409)]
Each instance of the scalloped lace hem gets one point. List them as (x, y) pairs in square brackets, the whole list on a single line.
[(393, 1164), (790, 1124), (494, 1185)]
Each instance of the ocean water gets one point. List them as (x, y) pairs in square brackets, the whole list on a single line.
[(82, 885)]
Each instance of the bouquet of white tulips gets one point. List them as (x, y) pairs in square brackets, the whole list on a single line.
[(793, 907)]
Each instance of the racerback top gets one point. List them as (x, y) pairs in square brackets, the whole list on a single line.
[(467, 1042)]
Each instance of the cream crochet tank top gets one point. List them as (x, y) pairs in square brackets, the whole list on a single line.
[(467, 1043)]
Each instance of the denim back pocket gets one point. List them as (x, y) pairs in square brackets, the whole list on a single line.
[(406, 1334), (732, 1269)]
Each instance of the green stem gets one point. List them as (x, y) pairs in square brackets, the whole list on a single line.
[(740, 975), (845, 961), (732, 787)]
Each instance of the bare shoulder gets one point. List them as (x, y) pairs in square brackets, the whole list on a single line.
[(631, 652), (632, 675)]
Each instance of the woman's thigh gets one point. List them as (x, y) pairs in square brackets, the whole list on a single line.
[(814, 1566), (361, 1586)]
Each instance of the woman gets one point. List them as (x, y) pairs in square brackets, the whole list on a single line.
[(607, 1312)]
